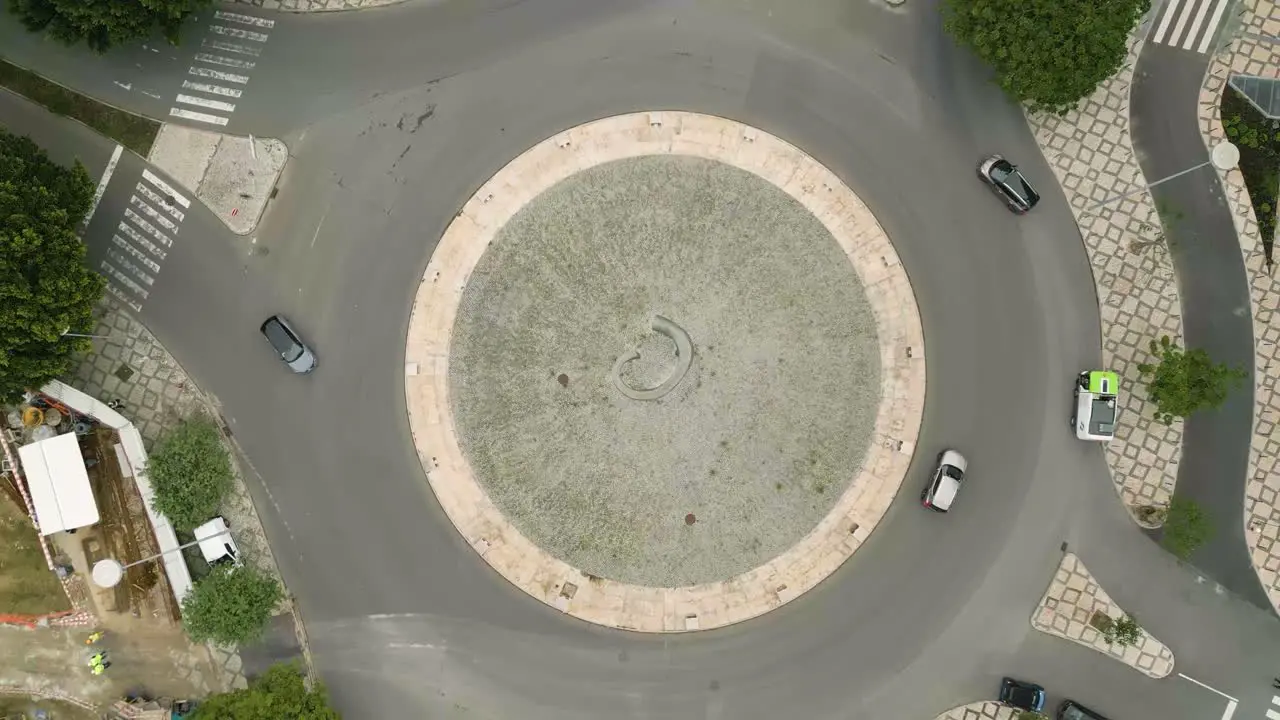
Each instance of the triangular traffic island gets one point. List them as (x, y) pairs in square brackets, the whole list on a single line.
[(1077, 609)]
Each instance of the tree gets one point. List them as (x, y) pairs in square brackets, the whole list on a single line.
[(231, 605), (1046, 53), (1186, 527), (45, 287), (104, 23), (190, 471), (1123, 632), (280, 692), (1184, 381)]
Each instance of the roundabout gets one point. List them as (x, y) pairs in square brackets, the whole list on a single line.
[(767, 439)]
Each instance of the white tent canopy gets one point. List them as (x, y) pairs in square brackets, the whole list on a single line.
[(59, 484)]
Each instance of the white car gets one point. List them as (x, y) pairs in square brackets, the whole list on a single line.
[(945, 482)]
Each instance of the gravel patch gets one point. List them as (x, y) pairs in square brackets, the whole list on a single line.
[(754, 445)]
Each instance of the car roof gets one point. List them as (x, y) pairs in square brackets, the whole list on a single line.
[(945, 493)]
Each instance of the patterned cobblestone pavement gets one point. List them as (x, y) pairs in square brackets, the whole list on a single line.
[(1251, 54), (1092, 155), (129, 364), (1069, 603), (979, 711)]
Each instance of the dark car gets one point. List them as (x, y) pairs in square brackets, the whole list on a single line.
[(288, 345), (1072, 710), (1008, 182), (1022, 695)]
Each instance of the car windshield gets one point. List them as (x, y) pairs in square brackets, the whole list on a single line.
[(952, 471), (281, 341)]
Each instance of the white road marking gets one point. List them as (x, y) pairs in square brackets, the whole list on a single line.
[(243, 19), (1213, 25), (209, 104), (125, 280), (137, 307), (211, 89), (1188, 678), (231, 47), (125, 263), (224, 61), (1195, 24), (1182, 21), (137, 238), (160, 200), (126, 86), (1170, 8), (238, 33), (154, 214), (323, 215), (144, 259), (198, 116), (147, 227), (102, 185), (1273, 715), (166, 188), (151, 94), (218, 75)]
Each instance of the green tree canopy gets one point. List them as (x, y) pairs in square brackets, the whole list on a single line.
[(1184, 381), (190, 471), (231, 605), (1186, 527), (104, 23), (278, 694), (45, 287), (1048, 54)]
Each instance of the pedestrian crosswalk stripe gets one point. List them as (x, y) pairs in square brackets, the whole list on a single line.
[(135, 252), (153, 214), (147, 227), (137, 239), (165, 188), (1173, 28), (224, 61), (225, 16), (125, 280), (225, 46), (1273, 715), (127, 264), (210, 104), (218, 75), (238, 33), (119, 295), (199, 116), (211, 89), (168, 205)]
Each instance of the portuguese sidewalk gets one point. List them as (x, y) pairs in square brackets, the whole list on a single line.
[(1249, 54), (317, 5), (128, 364), (1092, 155)]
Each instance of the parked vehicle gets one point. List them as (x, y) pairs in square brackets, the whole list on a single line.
[(1072, 710), (1021, 694), (1097, 400)]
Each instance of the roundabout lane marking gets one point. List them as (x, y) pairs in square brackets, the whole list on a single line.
[(710, 605)]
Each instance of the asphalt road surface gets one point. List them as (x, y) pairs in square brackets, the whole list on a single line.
[(395, 116), (1214, 289)]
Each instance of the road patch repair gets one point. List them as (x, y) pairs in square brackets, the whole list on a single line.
[(1075, 607), (234, 176)]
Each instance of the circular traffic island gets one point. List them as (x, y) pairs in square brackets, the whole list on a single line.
[(664, 372)]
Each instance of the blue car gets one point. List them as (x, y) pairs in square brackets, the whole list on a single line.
[(1022, 695)]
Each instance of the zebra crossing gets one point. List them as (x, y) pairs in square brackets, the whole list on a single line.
[(1189, 24), (1274, 712), (142, 239), (227, 55)]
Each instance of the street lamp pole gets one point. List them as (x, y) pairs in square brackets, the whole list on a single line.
[(1224, 156), (108, 572)]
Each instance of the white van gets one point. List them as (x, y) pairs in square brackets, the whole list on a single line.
[(216, 543)]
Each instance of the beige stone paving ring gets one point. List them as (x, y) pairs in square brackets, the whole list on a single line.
[(453, 474)]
